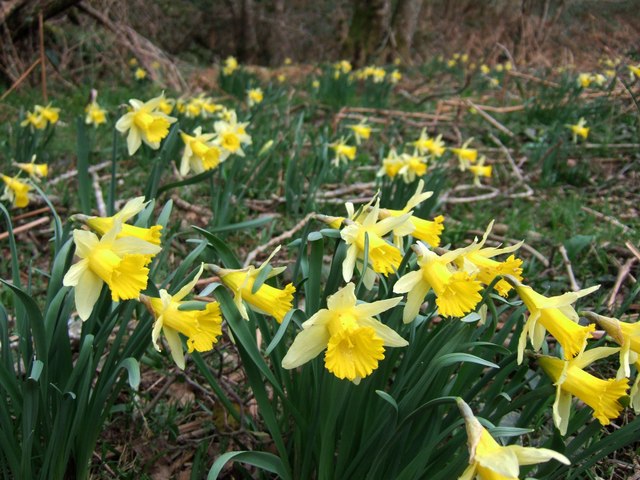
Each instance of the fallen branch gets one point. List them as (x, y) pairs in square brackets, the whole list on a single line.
[(606, 218), (26, 227), (567, 264), (490, 119)]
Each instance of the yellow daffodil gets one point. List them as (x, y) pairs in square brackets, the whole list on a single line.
[(255, 96), (485, 69), (201, 327), (378, 75), (635, 71), (413, 165), (50, 114), (584, 80), (95, 114), (288, 61), (193, 108), (451, 63), (36, 171), (267, 300), (479, 261), (232, 135), (34, 120), (457, 292), (383, 257), (556, 315), (166, 105), (466, 155), (395, 77), (315, 84), (230, 66), (428, 145), (133, 207), (571, 380), (210, 107), (425, 230), (343, 66), (480, 170), (494, 82), (15, 191), (354, 340), (391, 165), (599, 79), (202, 152), (488, 460), (362, 131), (118, 262), (145, 124), (344, 152), (281, 78), (627, 335), (133, 62), (580, 129), (140, 74)]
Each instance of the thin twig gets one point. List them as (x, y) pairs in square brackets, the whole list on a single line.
[(20, 79), (514, 167), (26, 227), (633, 249), (490, 119), (277, 240), (567, 264), (73, 173), (623, 271), (102, 208), (606, 218)]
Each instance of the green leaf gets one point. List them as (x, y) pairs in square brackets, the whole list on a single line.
[(187, 181), (388, 398), (260, 278), (256, 222), (221, 248), (132, 367), (282, 328), (265, 461)]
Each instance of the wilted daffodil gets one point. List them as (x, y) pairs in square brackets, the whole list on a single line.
[(488, 460), (627, 335), (255, 96), (267, 300), (15, 191), (102, 225), (36, 171), (571, 380), (580, 129), (556, 315), (457, 292), (344, 152), (383, 257), (425, 230), (232, 135), (118, 262), (466, 155), (202, 152), (353, 339), (362, 131), (479, 261), (201, 327), (145, 124), (95, 114), (429, 145)]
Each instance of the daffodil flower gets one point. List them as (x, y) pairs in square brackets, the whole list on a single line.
[(255, 96), (34, 120), (102, 225), (267, 300), (584, 80), (202, 152), (344, 152), (36, 171), (391, 165), (353, 339), (15, 191), (201, 327), (362, 131), (140, 74), (457, 292), (479, 261), (395, 77), (95, 114), (466, 155), (572, 381), (488, 460), (230, 66), (166, 105), (480, 170), (425, 230), (413, 165), (383, 257), (580, 129), (556, 315), (50, 114), (427, 145), (145, 124), (118, 262), (627, 335), (635, 71), (232, 135)]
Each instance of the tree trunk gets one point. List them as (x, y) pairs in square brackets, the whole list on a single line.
[(248, 38), (405, 24), (20, 15), (368, 30)]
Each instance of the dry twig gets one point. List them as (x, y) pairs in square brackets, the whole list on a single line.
[(567, 264), (623, 272)]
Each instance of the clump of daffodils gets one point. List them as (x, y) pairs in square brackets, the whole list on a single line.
[(408, 166), (41, 117), (144, 123)]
